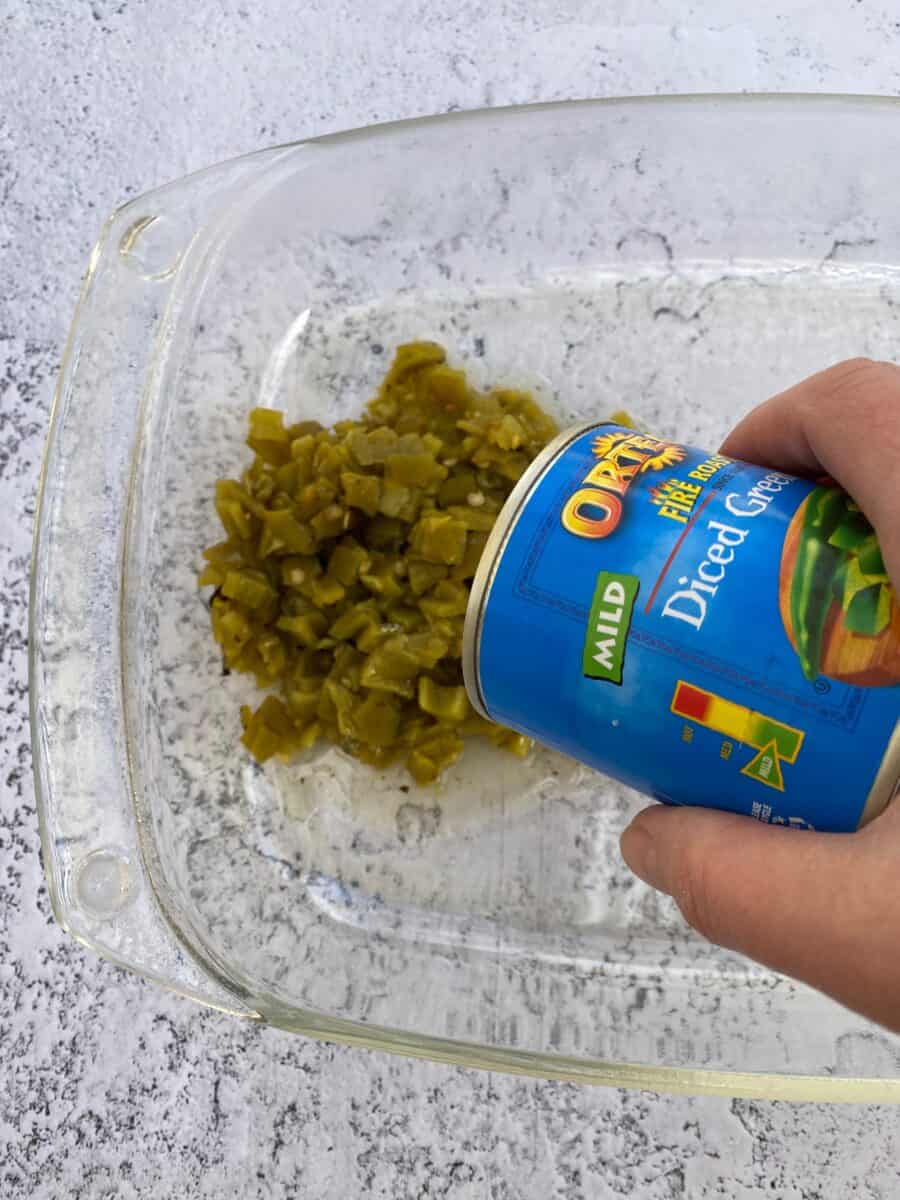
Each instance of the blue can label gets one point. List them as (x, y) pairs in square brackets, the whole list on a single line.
[(708, 631)]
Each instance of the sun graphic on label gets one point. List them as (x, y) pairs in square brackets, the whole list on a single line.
[(604, 442), (667, 457), (664, 454)]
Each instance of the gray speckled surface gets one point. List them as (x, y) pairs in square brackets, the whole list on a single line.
[(109, 1088)]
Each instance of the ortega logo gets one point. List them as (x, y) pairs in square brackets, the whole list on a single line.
[(595, 509)]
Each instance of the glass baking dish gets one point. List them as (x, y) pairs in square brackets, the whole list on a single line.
[(680, 257)]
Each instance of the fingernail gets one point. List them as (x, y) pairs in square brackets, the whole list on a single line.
[(639, 852)]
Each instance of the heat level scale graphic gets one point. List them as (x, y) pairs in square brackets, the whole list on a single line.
[(775, 742)]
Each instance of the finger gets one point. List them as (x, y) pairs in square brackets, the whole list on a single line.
[(815, 906), (844, 422)]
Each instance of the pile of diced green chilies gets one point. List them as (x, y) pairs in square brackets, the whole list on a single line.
[(343, 579)]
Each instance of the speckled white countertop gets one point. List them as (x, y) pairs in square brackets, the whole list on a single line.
[(108, 1087)]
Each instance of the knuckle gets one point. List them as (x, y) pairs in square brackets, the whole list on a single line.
[(861, 378), (859, 364)]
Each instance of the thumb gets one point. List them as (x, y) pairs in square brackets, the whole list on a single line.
[(824, 908)]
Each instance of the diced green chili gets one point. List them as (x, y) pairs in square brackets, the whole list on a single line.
[(439, 539), (869, 610), (361, 491), (445, 703), (248, 587), (424, 575), (307, 628), (268, 437), (288, 535)]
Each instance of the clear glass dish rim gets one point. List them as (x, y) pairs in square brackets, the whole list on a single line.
[(664, 1079)]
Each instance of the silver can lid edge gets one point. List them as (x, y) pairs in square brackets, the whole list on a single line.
[(493, 552)]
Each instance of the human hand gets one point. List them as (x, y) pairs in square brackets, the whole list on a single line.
[(824, 908)]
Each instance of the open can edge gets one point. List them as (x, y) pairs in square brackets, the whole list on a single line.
[(493, 552)]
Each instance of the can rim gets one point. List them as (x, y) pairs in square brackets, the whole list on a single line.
[(493, 551), (887, 781)]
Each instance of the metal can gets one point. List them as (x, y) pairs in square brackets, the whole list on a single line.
[(707, 631)]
